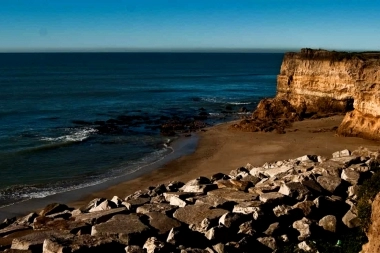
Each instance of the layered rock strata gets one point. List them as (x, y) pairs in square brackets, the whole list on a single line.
[(322, 82), (294, 202)]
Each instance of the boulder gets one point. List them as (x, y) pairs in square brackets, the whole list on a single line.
[(162, 223), (103, 206), (231, 220), (351, 219), (68, 226), (269, 242), (134, 249), (341, 153), (303, 227), (306, 247), (272, 197), (26, 220), (312, 186), (219, 248), (219, 176), (307, 207), (231, 195), (132, 204), (126, 228), (117, 201), (153, 245), (247, 228), (99, 217), (254, 180), (82, 244), (197, 213), (174, 186), (234, 184), (214, 201), (12, 229), (216, 234), (159, 207), (328, 223), (350, 176), (53, 208), (294, 190), (250, 207), (281, 210), (204, 188), (175, 201), (273, 229), (353, 192), (330, 183), (181, 195), (64, 215), (93, 203), (346, 160), (34, 241), (278, 172)]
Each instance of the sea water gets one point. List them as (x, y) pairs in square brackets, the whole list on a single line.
[(70, 120)]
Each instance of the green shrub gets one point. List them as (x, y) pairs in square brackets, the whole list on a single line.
[(367, 193)]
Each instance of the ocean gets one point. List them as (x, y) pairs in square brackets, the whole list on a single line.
[(71, 120)]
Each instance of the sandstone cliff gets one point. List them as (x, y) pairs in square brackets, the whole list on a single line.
[(324, 81)]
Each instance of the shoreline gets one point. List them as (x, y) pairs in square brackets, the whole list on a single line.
[(205, 153), (222, 150), (180, 146)]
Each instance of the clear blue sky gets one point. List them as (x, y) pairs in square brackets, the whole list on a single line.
[(35, 25)]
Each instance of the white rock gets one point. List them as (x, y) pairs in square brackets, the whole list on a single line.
[(341, 153), (175, 201)]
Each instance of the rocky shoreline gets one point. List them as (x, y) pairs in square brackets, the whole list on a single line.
[(286, 204)]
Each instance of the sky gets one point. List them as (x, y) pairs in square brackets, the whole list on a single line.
[(188, 25)]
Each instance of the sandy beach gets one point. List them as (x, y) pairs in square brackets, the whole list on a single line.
[(221, 150)]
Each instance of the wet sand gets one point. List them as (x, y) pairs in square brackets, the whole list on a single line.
[(222, 150)]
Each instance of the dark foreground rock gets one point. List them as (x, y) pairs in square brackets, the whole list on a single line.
[(292, 202)]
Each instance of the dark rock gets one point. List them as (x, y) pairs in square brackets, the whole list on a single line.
[(197, 213), (99, 217), (12, 228), (82, 244), (294, 190), (159, 207), (215, 201), (126, 228), (328, 223), (231, 220), (132, 204), (53, 208), (34, 241), (330, 183), (162, 223), (231, 195), (219, 176)]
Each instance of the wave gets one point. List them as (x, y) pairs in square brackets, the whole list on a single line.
[(19, 193), (76, 136), (223, 101)]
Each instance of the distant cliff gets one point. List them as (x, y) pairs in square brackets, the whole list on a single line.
[(320, 81)]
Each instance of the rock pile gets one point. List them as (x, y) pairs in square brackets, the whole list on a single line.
[(261, 208)]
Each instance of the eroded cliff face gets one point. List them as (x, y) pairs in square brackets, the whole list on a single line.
[(315, 81)]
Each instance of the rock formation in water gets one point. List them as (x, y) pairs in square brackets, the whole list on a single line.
[(324, 82)]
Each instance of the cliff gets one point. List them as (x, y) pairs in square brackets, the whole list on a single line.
[(317, 83), (320, 81)]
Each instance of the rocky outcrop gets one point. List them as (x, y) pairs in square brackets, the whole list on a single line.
[(291, 203), (373, 245), (320, 82)]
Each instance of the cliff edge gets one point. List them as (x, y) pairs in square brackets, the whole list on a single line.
[(320, 82)]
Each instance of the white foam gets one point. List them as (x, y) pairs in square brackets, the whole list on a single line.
[(76, 136), (240, 103)]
